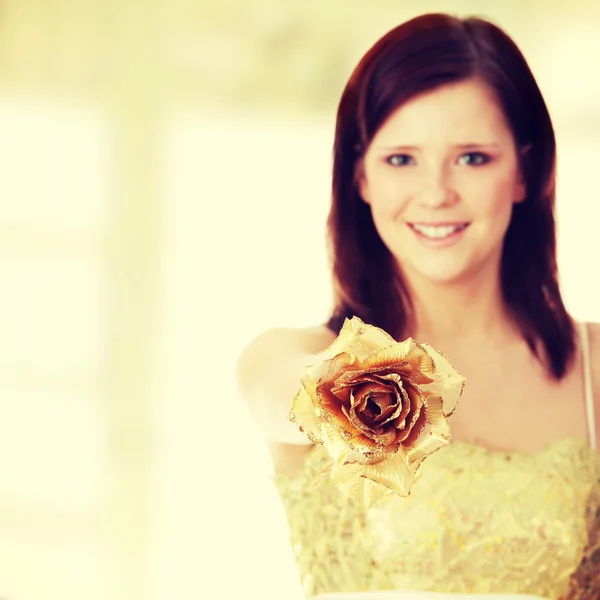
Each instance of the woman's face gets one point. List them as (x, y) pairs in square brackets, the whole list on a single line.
[(441, 176)]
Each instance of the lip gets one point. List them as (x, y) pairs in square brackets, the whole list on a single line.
[(446, 242), (438, 223)]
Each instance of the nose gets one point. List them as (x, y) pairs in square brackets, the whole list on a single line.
[(437, 190)]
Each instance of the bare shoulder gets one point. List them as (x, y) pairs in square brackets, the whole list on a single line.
[(274, 345), (268, 376)]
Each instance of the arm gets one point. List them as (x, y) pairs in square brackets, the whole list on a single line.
[(268, 377)]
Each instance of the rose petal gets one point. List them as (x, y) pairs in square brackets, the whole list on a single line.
[(360, 427), (351, 379), (437, 430), (358, 373), (335, 442), (403, 399), (381, 435), (408, 358), (361, 489), (332, 368), (358, 339), (359, 436), (372, 451), (331, 411), (344, 450), (370, 401), (396, 473), (391, 412), (389, 405), (377, 395), (388, 385), (448, 382), (304, 415), (362, 393), (416, 429), (435, 435), (415, 401), (341, 397)]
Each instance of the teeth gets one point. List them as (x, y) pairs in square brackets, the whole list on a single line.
[(437, 231)]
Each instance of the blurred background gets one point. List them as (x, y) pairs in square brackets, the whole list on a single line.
[(164, 182)]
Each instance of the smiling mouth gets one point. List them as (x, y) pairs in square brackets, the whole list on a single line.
[(438, 232)]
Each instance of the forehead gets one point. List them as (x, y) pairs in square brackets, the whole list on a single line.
[(463, 112)]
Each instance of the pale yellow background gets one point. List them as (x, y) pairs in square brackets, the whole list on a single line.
[(164, 175)]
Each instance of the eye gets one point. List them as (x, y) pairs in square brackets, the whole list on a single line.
[(474, 159), (399, 160)]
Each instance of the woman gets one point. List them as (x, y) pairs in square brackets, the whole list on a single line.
[(442, 229)]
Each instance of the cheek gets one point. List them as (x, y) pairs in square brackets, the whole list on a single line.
[(387, 193), (490, 196)]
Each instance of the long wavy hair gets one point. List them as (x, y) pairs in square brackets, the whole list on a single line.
[(418, 56)]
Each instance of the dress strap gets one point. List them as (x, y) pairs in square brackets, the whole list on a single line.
[(587, 382)]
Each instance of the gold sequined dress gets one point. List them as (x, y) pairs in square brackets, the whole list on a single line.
[(477, 521)]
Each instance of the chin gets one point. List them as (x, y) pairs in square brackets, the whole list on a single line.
[(445, 279), (446, 275), (462, 268)]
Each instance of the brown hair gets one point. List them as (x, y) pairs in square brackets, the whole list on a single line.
[(417, 56)]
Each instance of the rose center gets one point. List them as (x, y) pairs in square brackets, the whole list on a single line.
[(372, 408)]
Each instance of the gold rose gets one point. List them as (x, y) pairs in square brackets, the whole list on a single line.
[(378, 407)]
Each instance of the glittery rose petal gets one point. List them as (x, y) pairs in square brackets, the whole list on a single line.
[(368, 447), (361, 489), (359, 339), (407, 358), (395, 474), (448, 382), (337, 445), (415, 403), (435, 434), (304, 415), (332, 410), (332, 368), (361, 418)]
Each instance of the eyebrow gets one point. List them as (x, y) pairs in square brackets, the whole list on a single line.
[(470, 146)]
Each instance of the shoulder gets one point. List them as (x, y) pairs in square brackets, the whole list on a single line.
[(274, 345)]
